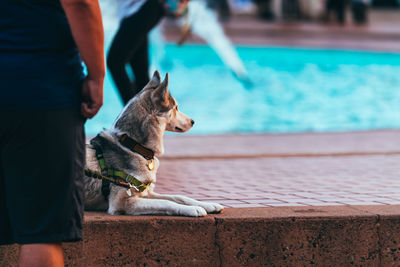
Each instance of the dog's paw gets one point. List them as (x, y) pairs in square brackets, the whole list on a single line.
[(212, 207), (193, 211)]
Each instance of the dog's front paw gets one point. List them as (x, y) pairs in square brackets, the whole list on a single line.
[(193, 211), (212, 207)]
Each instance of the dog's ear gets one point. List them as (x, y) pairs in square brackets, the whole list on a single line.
[(161, 94), (155, 80), (164, 88), (165, 83)]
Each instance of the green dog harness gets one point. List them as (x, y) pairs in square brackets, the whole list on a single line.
[(117, 177)]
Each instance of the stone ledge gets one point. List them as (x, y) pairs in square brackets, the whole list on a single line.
[(282, 145), (284, 236)]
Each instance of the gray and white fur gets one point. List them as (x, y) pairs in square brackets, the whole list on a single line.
[(145, 119)]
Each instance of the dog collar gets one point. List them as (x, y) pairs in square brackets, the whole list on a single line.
[(134, 146), (120, 178)]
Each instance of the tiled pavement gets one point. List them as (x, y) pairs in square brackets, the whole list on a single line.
[(284, 170)]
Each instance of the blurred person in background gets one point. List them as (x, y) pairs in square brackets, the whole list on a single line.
[(264, 9), (338, 8), (222, 7), (359, 10), (130, 43)]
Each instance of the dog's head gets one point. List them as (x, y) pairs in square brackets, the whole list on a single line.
[(153, 107), (166, 107)]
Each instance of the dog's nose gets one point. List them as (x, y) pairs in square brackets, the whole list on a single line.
[(192, 121)]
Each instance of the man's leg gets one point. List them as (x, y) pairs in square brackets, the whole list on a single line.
[(43, 158), (140, 66), (129, 38), (118, 56), (340, 11), (41, 255), (5, 225)]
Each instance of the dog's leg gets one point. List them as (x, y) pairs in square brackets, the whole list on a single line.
[(145, 206), (209, 207)]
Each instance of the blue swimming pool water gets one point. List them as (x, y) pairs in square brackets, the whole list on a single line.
[(294, 90)]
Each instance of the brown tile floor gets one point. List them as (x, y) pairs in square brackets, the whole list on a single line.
[(284, 170)]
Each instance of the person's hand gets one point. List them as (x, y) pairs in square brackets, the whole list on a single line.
[(92, 97), (176, 8)]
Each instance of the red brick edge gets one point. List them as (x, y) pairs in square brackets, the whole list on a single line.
[(284, 236)]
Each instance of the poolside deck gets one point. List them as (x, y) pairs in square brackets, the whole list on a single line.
[(268, 170)]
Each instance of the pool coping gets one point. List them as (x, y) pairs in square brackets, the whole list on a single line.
[(289, 236), (251, 145)]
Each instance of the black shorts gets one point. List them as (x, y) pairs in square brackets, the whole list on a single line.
[(42, 155)]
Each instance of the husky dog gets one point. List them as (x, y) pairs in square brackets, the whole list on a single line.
[(128, 150)]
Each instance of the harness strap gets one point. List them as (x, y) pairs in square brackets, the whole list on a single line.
[(119, 174), (95, 174), (109, 175), (105, 189), (105, 183)]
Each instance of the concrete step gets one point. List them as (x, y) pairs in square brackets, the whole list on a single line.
[(284, 236)]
